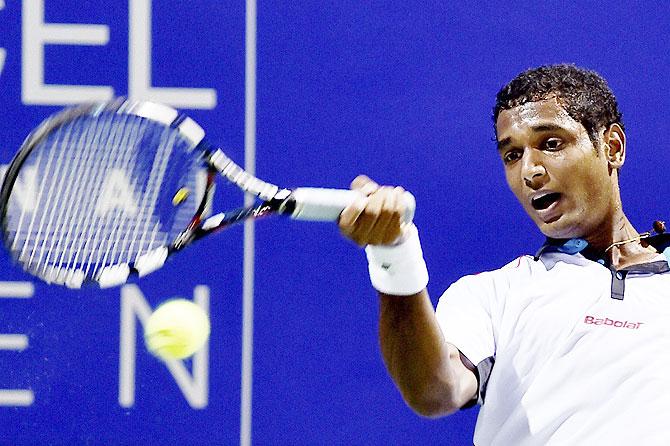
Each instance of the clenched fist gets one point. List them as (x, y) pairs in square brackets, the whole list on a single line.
[(377, 216)]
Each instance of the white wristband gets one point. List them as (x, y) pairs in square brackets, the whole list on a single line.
[(398, 270)]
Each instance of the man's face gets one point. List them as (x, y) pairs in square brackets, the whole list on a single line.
[(553, 170)]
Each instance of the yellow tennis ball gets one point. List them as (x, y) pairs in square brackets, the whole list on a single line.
[(176, 329)]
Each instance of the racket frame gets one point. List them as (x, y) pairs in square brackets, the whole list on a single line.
[(275, 200), (314, 204)]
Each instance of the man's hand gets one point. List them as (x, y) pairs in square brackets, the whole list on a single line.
[(428, 371), (376, 218)]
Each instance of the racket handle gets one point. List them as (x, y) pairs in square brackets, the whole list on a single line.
[(320, 204)]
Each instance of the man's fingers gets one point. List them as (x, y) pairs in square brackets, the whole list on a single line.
[(387, 228), (400, 210), (374, 218), (365, 185), (396, 211), (351, 213), (364, 227)]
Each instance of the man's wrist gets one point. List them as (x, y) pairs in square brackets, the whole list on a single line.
[(399, 269)]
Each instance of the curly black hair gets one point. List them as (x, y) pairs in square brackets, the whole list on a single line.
[(583, 93)]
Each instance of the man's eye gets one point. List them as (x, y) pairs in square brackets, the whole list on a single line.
[(553, 144), (511, 156)]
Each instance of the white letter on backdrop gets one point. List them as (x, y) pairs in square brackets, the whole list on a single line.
[(37, 34)]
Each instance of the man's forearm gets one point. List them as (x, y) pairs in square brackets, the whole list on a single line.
[(427, 370)]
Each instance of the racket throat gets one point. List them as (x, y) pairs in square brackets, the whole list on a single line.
[(283, 202)]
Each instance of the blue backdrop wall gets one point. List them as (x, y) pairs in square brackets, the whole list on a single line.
[(399, 90)]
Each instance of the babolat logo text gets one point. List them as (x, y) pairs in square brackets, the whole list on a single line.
[(612, 323)]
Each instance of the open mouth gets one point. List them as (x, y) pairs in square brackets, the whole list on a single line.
[(545, 201)]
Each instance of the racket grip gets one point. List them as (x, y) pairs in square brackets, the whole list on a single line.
[(321, 204)]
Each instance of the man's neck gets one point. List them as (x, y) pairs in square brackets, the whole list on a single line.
[(620, 255)]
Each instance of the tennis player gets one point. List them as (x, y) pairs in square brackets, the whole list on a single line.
[(566, 347)]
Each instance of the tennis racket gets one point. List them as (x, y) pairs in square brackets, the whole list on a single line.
[(104, 193)]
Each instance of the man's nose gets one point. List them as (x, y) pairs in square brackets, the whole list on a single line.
[(534, 172)]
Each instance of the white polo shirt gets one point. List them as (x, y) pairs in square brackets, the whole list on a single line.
[(568, 352)]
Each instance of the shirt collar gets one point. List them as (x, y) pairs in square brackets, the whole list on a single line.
[(566, 246), (661, 242)]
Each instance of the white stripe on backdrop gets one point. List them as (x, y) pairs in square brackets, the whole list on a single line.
[(248, 268)]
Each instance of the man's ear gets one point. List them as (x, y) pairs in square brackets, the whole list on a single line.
[(615, 145)]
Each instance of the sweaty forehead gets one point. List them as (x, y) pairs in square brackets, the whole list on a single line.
[(532, 115)]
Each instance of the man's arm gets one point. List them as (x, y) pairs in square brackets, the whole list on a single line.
[(430, 373)]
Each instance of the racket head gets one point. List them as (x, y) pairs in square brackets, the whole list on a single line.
[(99, 192)]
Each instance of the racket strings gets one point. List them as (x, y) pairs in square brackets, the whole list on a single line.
[(81, 175), (156, 176), (65, 212), (24, 250), (63, 245), (108, 227), (73, 231), (30, 249), (126, 228), (111, 226), (85, 223), (24, 189)]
